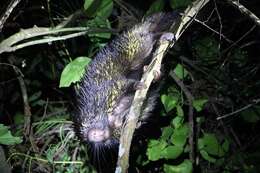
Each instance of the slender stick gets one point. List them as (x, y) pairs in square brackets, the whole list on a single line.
[(9, 10)]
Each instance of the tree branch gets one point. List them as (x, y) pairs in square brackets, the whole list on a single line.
[(140, 95), (12, 44)]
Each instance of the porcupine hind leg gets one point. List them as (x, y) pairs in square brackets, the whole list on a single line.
[(121, 109)]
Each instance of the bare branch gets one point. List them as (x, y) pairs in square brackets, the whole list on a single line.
[(12, 43)]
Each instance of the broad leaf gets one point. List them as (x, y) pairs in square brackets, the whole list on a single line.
[(251, 115), (180, 135), (156, 6), (101, 9), (179, 3), (73, 71), (210, 144), (207, 157), (177, 121), (7, 138), (169, 102), (180, 111), (199, 103), (155, 148), (172, 152), (105, 9), (184, 167), (180, 71), (166, 133)]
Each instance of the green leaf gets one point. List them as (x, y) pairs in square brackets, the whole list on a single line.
[(35, 96), (180, 135), (220, 162), (210, 144), (101, 9), (166, 133), (180, 71), (18, 118), (180, 111), (225, 145), (105, 9), (73, 71), (6, 138), (206, 49), (177, 121), (155, 148), (251, 115), (184, 167), (207, 157), (199, 103), (39, 102), (173, 91), (99, 23), (172, 152), (87, 4), (200, 119), (169, 102), (175, 4), (156, 6)]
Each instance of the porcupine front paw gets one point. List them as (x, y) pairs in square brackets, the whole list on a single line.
[(168, 36)]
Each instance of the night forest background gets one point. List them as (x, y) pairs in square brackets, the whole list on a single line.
[(213, 69)]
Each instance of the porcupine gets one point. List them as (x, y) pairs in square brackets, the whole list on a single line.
[(107, 88)]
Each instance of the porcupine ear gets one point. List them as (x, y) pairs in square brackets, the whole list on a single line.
[(161, 22)]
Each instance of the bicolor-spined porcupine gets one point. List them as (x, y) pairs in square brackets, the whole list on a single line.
[(107, 88)]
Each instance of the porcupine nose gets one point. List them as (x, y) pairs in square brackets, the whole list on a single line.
[(98, 135)]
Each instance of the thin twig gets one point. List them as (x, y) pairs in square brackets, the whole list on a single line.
[(241, 38), (27, 112), (27, 108), (9, 10), (244, 10), (239, 110), (211, 29)]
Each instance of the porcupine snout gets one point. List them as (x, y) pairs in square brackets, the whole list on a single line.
[(98, 135), (97, 132)]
